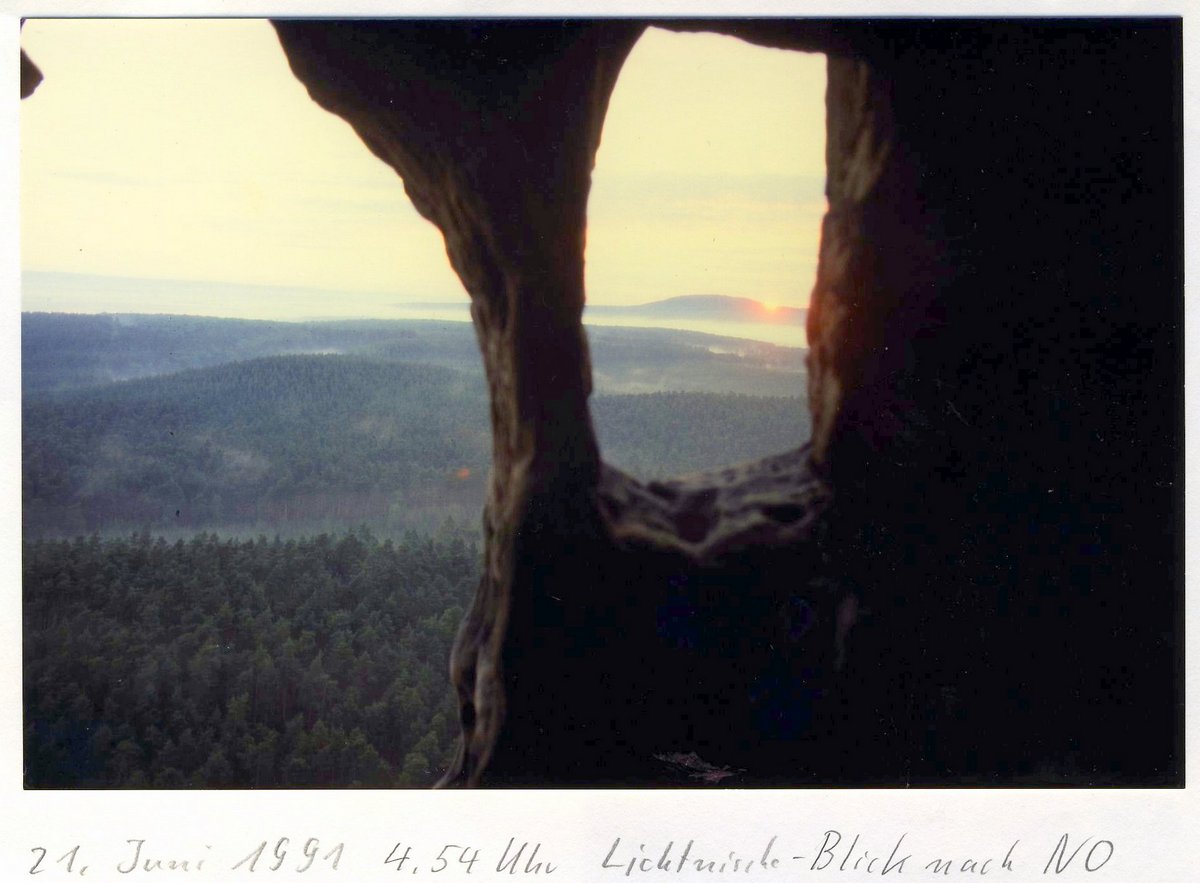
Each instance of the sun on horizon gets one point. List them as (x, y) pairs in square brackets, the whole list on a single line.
[(185, 152)]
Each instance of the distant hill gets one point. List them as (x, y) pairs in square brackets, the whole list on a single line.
[(66, 350), (712, 306), (62, 351), (693, 307)]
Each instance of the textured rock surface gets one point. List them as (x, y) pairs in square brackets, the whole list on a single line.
[(973, 574)]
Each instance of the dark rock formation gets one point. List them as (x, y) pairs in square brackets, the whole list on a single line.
[(31, 77), (974, 573)]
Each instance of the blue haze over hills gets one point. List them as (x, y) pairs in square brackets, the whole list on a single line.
[(183, 423)]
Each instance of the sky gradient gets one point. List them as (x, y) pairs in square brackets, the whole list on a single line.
[(186, 150)]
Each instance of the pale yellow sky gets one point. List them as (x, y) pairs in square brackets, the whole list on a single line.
[(186, 150)]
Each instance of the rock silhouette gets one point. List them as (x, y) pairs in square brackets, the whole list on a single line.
[(945, 586)]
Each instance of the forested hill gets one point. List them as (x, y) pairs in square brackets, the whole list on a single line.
[(315, 439), (325, 442), (63, 351)]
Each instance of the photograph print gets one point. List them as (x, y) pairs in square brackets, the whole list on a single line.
[(595, 403)]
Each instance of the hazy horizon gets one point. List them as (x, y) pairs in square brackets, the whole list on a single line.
[(208, 164), (77, 294)]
